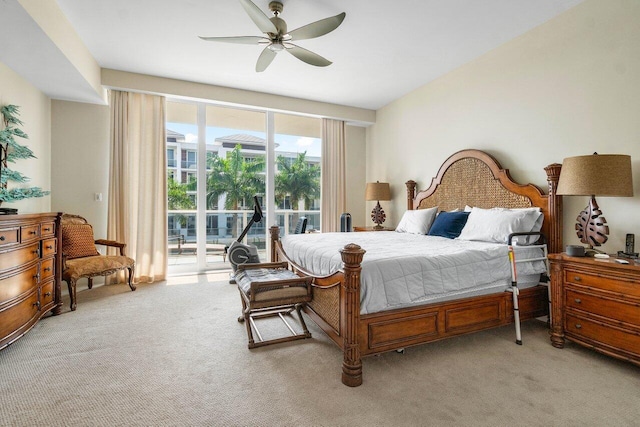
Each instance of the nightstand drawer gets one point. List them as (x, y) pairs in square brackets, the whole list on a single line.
[(616, 338), (623, 311), (618, 285)]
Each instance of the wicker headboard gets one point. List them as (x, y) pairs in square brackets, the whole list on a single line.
[(475, 178)]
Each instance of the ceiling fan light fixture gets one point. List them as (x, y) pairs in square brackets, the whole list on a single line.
[(276, 47)]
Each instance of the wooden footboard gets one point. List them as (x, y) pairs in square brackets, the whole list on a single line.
[(335, 306)]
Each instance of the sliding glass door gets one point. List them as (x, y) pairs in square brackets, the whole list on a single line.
[(218, 159)]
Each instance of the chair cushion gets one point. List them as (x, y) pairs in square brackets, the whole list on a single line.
[(77, 241), (99, 265)]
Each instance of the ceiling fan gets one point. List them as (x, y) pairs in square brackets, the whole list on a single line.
[(278, 38)]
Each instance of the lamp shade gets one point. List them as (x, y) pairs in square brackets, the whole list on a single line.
[(378, 191), (596, 175)]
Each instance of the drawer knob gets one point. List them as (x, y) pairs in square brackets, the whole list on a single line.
[(578, 326), (36, 304), (47, 229), (578, 300), (48, 294), (47, 269), (2, 238), (576, 278), (49, 247), (33, 232)]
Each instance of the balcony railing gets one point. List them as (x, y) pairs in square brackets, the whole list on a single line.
[(182, 237)]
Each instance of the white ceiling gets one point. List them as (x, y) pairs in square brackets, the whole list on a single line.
[(382, 50)]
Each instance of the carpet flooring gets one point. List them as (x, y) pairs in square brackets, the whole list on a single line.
[(173, 354)]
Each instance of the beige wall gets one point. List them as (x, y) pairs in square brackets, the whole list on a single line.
[(569, 87), (80, 159), (35, 112)]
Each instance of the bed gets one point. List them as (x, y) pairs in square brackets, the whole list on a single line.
[(467, 178)]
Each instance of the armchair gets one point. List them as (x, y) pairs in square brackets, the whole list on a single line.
[(80, 257)]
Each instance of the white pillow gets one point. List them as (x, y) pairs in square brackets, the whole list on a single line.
[(417, 221), (495, 225), (537, 226)]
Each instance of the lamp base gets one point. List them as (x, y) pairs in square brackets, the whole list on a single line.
[(591, 226), (378, 216)]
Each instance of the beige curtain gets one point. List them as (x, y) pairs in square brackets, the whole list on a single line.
[(333, 174), (137, 182)]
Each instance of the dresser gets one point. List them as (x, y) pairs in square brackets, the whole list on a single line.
[(30, 267), (596, 303)]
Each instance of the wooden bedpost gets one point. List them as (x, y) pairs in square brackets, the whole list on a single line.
[(411, 193), (274, 231), (352, 255), (557, 334), (555, 208)]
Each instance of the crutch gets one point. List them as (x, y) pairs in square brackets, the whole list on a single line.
[(539, 243)]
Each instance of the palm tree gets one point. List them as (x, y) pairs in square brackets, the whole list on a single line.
[(236, 177), (298, 179)]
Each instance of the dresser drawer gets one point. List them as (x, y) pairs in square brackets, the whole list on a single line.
[(48, 247), (18, 284), (46, 269), (29, 232), (591, 330), (19, 257), (617, 285), (46, 294), (48, 229), (9, 236), (19, 317), (618, 310)]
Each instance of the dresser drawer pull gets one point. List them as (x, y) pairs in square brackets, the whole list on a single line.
[(36, 304), (576, 278), (49, 247), (48, 294), (47, 269), (2, 238), (33, 232), (578, 300), (36, 252), (47, 229), (578, 326)]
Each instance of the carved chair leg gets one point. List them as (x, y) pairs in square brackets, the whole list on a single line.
[(90, 285), (72, 293), (131, 285)]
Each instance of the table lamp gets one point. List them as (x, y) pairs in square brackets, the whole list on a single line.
[(595, 175), (378, 191)]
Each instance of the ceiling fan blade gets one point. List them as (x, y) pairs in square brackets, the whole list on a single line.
[(265, 59), (318, 28), (307, 56), (258, 17), (238, 40)]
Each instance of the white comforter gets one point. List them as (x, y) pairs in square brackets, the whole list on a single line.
[(401, 269)]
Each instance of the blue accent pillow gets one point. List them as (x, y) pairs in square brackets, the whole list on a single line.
[(449, 224)]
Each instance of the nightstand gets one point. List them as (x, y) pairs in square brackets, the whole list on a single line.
[(372, 228), (596, 303)]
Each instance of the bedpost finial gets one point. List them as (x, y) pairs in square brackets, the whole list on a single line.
[(352, 255), (274, 231)]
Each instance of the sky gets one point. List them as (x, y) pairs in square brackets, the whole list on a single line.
[(290, 143)]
